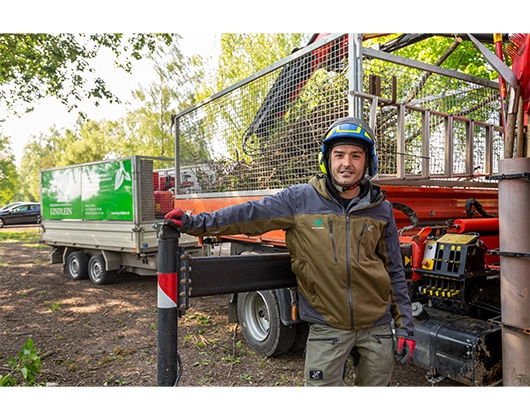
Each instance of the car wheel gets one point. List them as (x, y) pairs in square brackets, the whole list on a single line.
[(97, 272), (2, 223), (77, 265), (259, 316)]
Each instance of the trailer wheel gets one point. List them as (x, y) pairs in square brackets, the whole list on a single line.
[(77, 265), (97, 272), (259, 316)]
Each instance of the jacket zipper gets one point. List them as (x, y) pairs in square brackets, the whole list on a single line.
[(333, 241), (348, 272), (378, 337), (359, 242)]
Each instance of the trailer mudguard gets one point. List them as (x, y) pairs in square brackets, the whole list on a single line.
[(284, 302), (113, 260)]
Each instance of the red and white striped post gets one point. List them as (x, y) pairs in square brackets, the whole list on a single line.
[(167, 305)]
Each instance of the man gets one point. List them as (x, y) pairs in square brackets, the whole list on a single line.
[(342, 237)]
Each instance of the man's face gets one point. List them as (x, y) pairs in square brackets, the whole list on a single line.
[(347, 164)]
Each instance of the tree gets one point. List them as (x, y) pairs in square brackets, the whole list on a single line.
[(242, 55), (39, 153), (180, 83), (34, 66), (145, 130), (91, 141), (8, 173)]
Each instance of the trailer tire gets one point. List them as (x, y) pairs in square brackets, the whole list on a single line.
[(259, 317), (77, 265), (97, 272)]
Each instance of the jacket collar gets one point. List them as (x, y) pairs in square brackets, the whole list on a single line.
[(370, 193)]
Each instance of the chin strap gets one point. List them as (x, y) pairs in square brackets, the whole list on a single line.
[(342, 189)]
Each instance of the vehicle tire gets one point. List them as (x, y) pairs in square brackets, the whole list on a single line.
[(97, 272), (39, 220), (259, 317), (77, 265), (1, 223)]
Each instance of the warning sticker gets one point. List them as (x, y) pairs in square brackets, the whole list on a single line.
[(457, 239)]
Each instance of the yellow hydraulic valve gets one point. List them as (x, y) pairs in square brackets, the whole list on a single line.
[(438, 291)]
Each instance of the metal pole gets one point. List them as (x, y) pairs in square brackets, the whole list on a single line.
[(178, 181), (355, 76), (514, 228), (167, 361)]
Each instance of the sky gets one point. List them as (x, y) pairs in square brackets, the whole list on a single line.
[(50, 111)]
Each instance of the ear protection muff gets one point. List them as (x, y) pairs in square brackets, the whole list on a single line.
[(322, 163)]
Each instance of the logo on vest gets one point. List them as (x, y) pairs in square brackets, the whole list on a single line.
[(317, 224)]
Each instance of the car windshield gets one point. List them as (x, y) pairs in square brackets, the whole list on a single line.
[(9, 206)]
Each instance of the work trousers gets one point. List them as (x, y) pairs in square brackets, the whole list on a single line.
[(328, 348)]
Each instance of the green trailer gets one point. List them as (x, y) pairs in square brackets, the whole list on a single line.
[(100, 218)]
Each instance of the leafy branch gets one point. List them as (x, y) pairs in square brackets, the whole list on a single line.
[(27, 364)]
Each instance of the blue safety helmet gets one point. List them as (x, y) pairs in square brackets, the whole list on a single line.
[(349, 130)]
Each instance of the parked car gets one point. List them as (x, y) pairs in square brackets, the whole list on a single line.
[(22, 213)]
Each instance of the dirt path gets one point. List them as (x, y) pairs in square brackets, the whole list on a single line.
[(90, 335)]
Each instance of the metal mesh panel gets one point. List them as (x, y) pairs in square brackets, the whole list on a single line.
[(444, 96), (156, 178), (437, 145), (265, 132), (146, 190)]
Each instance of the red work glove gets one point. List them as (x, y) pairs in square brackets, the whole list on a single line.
[(405, 348), (174, 218)]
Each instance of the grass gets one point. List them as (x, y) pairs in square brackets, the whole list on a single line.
[(25, 236), (28, 238)]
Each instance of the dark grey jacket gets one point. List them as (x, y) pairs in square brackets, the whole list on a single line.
[(347, 261)]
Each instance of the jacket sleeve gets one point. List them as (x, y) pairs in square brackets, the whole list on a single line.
[(401, 307), (254, 217)]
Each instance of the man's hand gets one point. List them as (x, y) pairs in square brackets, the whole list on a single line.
[(405, 348), (174, 218)]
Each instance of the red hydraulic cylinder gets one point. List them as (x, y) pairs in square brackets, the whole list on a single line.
[(476, 225)]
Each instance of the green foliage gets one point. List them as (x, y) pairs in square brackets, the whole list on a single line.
[(24, 368), (34, 66), (180, 83), (244, 54), (8, 173), (241, 56), (466, 58), (144, 130), (53, 306)]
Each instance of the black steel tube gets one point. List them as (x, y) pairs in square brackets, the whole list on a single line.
[(240, 273), (167, 362)]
